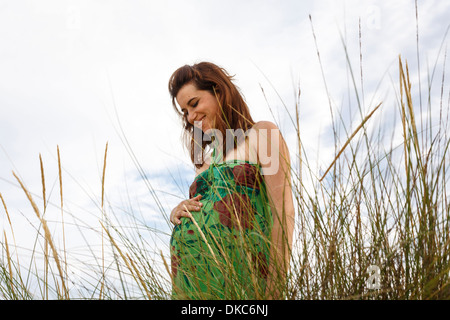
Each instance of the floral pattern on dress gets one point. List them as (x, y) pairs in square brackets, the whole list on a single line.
[(229, 244), (261, 264), (235, 211), (199, 186), (246, 175)]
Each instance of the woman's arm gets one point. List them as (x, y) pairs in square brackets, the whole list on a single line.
[(273, 155)]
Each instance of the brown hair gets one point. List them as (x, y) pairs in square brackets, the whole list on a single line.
[(234, 112)]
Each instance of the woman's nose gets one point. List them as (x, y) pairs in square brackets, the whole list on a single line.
[(191, 117), (194, 116)]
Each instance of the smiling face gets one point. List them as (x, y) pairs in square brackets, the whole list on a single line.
[(191, 89), (198, 105)]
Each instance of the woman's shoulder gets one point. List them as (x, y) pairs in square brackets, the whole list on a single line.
[(269, 136), (264, 125), (265, 130)]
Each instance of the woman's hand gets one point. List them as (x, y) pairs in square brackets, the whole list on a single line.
[(184, 208)]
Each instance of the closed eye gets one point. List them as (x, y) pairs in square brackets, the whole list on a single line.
[(190, 103), (193, 102)]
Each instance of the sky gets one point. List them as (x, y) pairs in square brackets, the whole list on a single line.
[(77, 75)]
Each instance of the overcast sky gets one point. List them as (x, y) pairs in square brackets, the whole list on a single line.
[(66, 67)]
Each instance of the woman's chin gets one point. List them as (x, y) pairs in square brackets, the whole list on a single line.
[(205, 128)]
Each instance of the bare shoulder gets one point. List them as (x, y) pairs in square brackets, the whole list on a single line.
[(267, 130), (270, 141), (264, 125)]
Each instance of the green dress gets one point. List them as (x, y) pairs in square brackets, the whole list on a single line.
[(223, 253)]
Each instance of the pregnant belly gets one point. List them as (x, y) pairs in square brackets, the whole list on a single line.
[(208, 249)]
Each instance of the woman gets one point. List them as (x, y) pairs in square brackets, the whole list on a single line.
[(232, 237)]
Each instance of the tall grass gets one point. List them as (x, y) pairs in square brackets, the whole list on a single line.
[(374, 224), (377, 224)]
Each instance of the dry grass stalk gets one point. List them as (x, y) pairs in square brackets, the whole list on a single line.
[(46, 266), (8, 257), (203, 236), (103, 215), (350, 139), (12, 231), (44, 198), (48, 235), (138, 274), (406, 85), (6, 210), (62, 209), (127, 261), (43, 182), (166, 266), (103, 175)]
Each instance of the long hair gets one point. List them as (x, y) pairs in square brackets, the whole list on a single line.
[(233, 114)]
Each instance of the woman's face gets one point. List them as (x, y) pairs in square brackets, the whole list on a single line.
[(198, 105)]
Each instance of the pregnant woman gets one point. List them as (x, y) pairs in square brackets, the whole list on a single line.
[(232, 236)]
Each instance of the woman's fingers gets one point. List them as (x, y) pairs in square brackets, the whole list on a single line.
[(184, 209), (197, 197), (178, 215)]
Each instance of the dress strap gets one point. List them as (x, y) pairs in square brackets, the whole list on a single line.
[(216, 155), (215, 159)]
